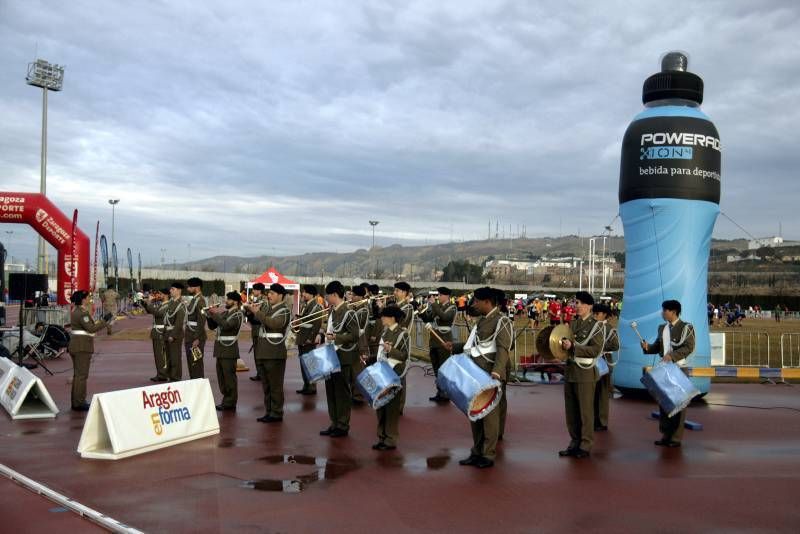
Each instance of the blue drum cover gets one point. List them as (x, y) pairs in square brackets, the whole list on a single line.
[(379, 384), (321, 363), (602, 366), (671, 388), (462, 380)]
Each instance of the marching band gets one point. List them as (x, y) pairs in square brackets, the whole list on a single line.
[(366, 353)]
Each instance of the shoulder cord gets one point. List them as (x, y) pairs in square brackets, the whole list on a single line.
[(611, 334), (168, 316), (190, 309), (282, 311), (219, 330), (336, 329), (595, 329)]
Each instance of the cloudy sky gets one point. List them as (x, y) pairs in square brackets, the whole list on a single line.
[(282, 127)]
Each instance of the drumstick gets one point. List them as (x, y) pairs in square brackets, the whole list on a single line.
[(434, 334), (634, 324)]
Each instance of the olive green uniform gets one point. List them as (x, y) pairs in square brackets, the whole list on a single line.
[(195, 331), (580, 378), (174, 323), (157, 310), (407, 324), (604, 389), (374, 331), (226, 352), (389, 414), (306, 338), (682, 340), (362, 318), (254, 325), (342, 322), (270, 355), (490, 349), (81, 348), (440, 317)]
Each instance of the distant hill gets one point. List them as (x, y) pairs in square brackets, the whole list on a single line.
[(417, 262)]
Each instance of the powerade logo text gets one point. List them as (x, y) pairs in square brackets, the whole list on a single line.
[(674, 145), (167, 414)]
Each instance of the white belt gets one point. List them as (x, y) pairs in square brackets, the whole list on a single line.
[(584, 361), (361, 332), (444, 328), (306, 326), (272, 335), (480, 349), (191, 323), (159, 328), (81, 333), (227, 338), (393, 362)]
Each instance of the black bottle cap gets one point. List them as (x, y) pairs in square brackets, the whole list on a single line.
[(674, 81)]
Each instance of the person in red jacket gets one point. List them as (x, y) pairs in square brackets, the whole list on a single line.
[(554, 312)]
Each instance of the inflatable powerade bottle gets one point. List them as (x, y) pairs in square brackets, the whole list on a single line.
[(669, 190)]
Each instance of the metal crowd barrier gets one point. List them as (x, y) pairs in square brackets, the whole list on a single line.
[(790, 349), (58, 315), (747, 349)]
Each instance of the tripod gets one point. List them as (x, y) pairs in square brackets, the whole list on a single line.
[(20, 346)]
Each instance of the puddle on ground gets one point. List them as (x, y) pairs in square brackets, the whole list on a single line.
[(227, 443)]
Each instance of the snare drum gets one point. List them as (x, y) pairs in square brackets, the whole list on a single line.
[(379, 384), (471, 389), (671, 388), (320, 363)]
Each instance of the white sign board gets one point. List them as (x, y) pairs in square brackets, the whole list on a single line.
[(22, 393), (717, 349), (134, 421)]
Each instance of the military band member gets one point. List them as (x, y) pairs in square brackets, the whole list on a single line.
[(679, 347), (374, 326), (604, 389), (256, 297), (581, 376), (489, 346), (394, 349), (226, 348), (174, 319), (307, 336), (157, 307), (342, 331), (403, 297), (271, 350), (439, 317), (502, 306), (81, 345), (360, 307), (195, 335)]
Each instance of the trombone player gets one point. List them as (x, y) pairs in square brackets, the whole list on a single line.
[(439, 316)]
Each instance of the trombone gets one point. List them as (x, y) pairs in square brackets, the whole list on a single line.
[(308, 319)]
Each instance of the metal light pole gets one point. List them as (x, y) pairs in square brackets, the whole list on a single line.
[(49, 77), (373, 224), (113, 202)]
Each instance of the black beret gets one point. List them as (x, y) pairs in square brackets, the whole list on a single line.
[(486, 293), (78, 296), (585, 297), (403, 286), (164, 291), (310, 289), (444, 291), (601, 308), (374, 289), (259, 286), (360, 291), (277, 288), (194, 282), (177, 285), (393, 311), (233, 295)]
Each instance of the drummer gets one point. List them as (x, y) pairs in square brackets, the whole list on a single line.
[(681, 346), (394, 349), (604, 388), (489, 345), (581, 376)]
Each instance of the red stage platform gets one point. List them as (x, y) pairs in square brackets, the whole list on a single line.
[(741, 473)]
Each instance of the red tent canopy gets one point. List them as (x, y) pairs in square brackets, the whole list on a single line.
[(271, 276)]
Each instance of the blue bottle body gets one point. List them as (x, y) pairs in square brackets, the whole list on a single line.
[(669, 202)]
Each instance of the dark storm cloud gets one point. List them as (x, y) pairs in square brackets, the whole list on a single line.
[(246, 128)]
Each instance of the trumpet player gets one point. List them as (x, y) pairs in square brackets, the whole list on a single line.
[(403, 296), (270, 353), (309, 323), (374, 326), (226, 348), (361, 311), (194, 340), (256, 298), (581, 377), (174, 319), (439, 316), (156, 307)]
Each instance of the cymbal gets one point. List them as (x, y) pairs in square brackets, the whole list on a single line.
[(542, 343), (554, 341)]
